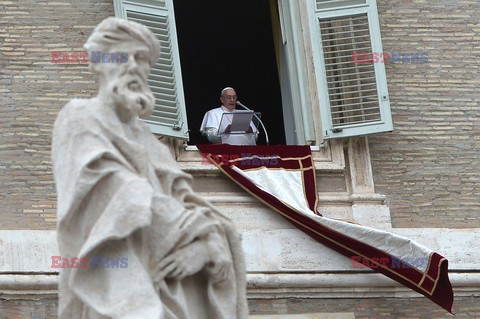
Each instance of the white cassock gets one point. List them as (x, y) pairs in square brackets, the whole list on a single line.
[(211, 129)]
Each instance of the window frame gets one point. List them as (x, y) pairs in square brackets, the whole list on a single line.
[(385, 124), (306, 75)]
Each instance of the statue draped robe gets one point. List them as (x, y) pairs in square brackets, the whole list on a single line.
[(122, 195)]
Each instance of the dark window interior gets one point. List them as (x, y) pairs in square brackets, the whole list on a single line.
[(229, 43)]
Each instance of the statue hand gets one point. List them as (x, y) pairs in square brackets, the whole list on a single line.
[(183, 262)]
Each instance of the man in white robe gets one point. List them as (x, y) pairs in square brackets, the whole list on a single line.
[(121, 195), (213, 127)]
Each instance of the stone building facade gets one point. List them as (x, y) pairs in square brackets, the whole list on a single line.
[(420, 180), (426, 166)]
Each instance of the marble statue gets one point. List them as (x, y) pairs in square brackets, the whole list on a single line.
[(155, 249)]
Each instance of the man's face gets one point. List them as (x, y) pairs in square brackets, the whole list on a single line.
[(127, 81), (229, 99)]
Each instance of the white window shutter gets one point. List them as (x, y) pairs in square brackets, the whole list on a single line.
[(297, 113), (353, 95), (169, 116)]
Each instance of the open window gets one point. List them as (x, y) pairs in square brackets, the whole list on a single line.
[(222, 43), (229, 43), (258, 47)]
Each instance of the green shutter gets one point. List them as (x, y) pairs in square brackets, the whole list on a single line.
[(353, 94), (169, 117), (297, 112)]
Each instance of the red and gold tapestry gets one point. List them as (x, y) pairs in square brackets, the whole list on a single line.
[(283, 177)]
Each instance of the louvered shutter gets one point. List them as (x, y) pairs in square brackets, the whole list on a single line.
[(169, 117), (353, 90)]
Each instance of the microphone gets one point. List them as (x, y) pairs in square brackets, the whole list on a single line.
[(263, 126)]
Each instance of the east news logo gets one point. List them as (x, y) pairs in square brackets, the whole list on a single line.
[(92, 262), (82, 57)]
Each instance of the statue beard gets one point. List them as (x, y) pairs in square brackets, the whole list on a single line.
[(131, 93)]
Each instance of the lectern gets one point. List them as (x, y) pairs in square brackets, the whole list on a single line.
[(239, 127)]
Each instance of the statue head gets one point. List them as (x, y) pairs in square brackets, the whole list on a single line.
[(121, 54)]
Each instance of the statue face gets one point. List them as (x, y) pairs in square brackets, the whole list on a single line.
[(127, 81)]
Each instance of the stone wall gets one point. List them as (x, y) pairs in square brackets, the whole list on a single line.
[(32, 91), (370, 308), (428, 166), (373, 308)]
